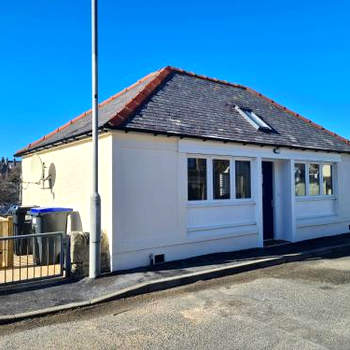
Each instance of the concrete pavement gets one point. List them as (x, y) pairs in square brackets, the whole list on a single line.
[(41, 301), (301, 305)]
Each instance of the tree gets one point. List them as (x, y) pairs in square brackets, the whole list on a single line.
[(10, 187)]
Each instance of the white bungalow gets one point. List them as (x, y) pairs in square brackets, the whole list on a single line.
[(191, 165)]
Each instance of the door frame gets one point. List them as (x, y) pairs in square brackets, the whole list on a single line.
[(273, 182)]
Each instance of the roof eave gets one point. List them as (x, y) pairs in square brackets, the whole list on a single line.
[(171, 134), (225, 140), (58, 143)]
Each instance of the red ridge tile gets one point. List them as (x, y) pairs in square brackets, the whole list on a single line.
[(159, 77)]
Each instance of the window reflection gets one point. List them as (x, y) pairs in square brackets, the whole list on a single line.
[(221, 179), (243, 186), (314, 179), (300, 185), (197, 179), (327, 172)]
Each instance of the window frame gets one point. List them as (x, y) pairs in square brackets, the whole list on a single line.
[(210, 181), (320, 168), (230, 178), (252, 118), (251, 178), (207, 165), (322, 195), (305, 176), (332, 178)]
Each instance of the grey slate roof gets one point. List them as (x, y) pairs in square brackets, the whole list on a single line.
[(198, 107), (82, 125), (194, 106)]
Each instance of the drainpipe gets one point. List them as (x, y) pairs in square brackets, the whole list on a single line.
[(95, 232)]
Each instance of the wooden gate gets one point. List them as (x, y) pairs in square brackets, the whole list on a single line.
[(6, 247)]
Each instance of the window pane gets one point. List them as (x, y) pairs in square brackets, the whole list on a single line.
[(197, 179), (314, 179), (300, 187), (243, 179), (327, 171), (221, 179)]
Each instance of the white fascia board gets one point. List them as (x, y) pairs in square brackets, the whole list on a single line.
[(251, 151)]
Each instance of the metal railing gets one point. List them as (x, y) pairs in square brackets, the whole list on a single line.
[(34, 257)]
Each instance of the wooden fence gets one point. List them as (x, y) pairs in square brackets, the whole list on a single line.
[(6, 247)]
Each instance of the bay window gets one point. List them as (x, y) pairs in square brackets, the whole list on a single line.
[(313, 179)]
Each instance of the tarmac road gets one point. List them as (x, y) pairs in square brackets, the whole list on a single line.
[(304, 305)]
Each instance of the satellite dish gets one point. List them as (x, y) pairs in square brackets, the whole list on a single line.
[(36, 169), (52, 175)]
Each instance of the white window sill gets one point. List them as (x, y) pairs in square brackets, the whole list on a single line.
[(221, 226), (220, 203), (314, 198)]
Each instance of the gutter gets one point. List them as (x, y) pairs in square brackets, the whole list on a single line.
[(171, 134), (63, 141), (219, 139)]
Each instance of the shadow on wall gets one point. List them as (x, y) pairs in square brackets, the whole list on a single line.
[(74, 222), (52, 179), (105, 254)]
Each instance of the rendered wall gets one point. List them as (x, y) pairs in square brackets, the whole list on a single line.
[(143, 187), (284, 218), (72, 187), (152, 215)]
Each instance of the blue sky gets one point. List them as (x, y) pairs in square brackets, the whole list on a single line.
[(296, 52)]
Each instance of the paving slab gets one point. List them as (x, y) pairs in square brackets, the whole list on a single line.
[(27, 302)]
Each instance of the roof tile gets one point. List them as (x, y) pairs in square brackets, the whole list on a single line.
[(173, 101)]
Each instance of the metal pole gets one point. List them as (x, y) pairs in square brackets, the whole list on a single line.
[(95, 232)]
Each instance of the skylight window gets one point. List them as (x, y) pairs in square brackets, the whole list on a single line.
[(253, 119)]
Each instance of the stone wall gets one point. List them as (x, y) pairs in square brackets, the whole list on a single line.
[(80, 253)]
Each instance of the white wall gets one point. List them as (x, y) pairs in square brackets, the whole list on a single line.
[(284, 217), (310, 208), (152, 215), (143, 187), (151, 211), (72, 187)]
